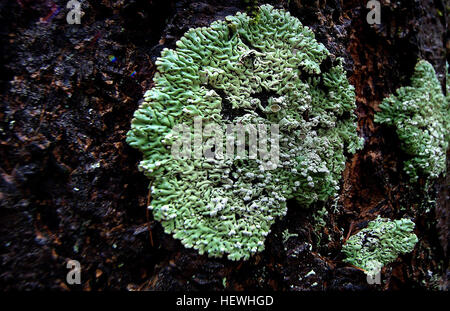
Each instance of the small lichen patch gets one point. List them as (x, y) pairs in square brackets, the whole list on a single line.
[(380, 243), (421, 116)]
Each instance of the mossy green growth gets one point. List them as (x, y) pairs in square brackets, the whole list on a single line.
[(269, 71), (380, 243), (421, 116)]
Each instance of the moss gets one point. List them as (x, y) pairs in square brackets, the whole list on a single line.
[(421, 115), (380, 243), (243, 72)]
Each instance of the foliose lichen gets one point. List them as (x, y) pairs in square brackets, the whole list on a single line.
[(380, 243), (447, 83), (239, 71), (421, 116)]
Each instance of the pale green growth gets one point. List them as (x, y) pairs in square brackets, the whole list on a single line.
[(286, 235), (421, 116), (447, 84), (227, 206), (380, 243)]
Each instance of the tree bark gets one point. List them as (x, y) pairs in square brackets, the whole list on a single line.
[(69, 184)]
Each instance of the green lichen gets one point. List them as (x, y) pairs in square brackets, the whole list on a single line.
[(286, 235), (421, 116), (238, 71), (319, 223), (447, 84), (380, 243)]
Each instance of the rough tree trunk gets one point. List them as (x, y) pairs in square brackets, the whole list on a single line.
[(69, 185)]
